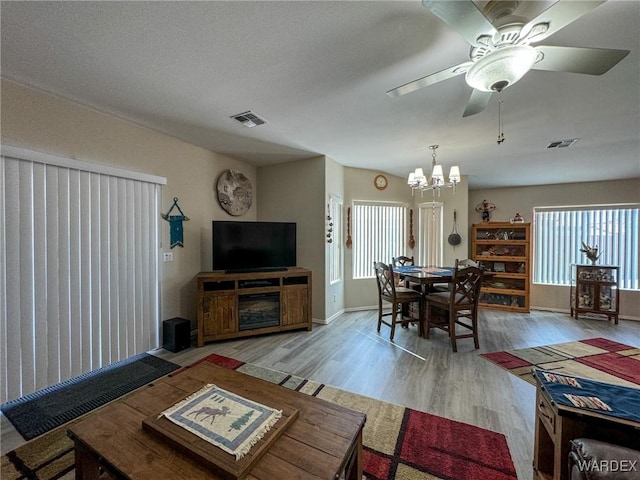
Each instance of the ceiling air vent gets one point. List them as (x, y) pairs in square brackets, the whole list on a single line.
[(249, 119), (562, 143)]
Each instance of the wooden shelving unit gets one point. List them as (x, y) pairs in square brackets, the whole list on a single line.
[(505, 249), (232, 305)]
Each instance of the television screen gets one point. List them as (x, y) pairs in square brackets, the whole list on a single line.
[(253, 246)]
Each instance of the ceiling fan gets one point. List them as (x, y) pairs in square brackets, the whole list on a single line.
[(501, 50)]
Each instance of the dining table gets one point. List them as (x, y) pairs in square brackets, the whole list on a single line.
[(425, 276)]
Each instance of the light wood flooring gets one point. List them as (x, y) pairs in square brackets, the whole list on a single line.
[(418, 373)]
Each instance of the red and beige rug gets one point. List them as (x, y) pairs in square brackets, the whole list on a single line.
[(399, 443), (595, 358)]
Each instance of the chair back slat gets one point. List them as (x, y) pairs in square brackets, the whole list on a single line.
[(402, 260), (385, 279), (466, 286)]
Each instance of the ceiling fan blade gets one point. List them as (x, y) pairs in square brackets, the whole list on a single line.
[(463, 17), (559, 15), (591, 61), (429, 80), (478, 101)]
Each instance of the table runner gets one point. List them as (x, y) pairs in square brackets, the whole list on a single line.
[(224, 419), (605, 398)]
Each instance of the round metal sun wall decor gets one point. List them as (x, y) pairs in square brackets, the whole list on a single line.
[(235, 192)]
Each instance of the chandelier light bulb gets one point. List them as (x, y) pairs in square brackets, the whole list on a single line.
[(437, 175), (454, 174)]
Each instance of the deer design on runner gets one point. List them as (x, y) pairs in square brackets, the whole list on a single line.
[(210, 412)]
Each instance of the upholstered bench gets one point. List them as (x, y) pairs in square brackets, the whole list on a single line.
[(596, 460)]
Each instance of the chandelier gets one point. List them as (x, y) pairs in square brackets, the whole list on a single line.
[(418, 181)]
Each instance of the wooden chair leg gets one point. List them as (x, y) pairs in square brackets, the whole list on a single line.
[(452, 330), (474, 324), (379, 313), (394, 312)]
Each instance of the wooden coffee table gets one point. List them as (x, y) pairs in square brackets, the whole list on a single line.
[(325, 441)]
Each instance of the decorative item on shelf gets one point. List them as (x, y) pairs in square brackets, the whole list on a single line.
[(517, 219), (591, 252), (329, 225), (418, 181), (380, 182), (412, 241), (176, 234), (485, 208), (235, 193), (348, 242)]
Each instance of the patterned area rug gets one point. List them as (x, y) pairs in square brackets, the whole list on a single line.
[(399, 443), (595, 358)]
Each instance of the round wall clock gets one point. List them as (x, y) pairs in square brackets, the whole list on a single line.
[(235, 192), (380, 182)]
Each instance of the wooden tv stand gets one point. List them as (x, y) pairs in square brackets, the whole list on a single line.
[(232, 305)]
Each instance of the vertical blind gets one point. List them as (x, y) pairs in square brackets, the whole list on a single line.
[(379, 234), (79, 281), (430, 252), (559, 233)]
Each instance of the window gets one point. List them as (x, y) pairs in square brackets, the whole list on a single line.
[(379, 234), (560, 231), (334, 228), (79, 268), (431, 251)]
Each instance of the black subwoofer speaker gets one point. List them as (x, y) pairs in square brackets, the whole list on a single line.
[(176, 334)]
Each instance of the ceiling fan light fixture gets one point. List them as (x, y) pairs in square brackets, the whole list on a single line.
[(501, 68)]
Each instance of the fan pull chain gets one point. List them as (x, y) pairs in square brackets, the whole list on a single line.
[(500, 126)]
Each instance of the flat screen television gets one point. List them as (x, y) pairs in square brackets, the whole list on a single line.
[(253, 246)]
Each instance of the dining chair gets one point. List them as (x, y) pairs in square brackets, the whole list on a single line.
[(398, 296), (457, 307), (400, 280), (402, 260)]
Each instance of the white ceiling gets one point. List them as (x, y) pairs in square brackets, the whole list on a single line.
[(317, 71)]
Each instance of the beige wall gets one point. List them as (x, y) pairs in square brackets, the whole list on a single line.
[(294, 192), (508, 201), (37, 121)]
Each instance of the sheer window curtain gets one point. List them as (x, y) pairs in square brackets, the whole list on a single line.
[(79, 280)]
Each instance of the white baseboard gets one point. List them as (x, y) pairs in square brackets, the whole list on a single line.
[(357, 309), (568, 312), (328, 320)]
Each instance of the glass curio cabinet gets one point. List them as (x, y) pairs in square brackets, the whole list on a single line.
[(594, 290)]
